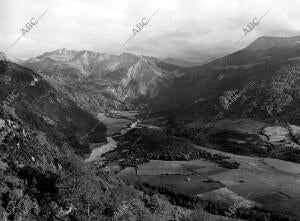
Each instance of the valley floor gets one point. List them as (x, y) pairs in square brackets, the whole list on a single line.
[(266, 183)]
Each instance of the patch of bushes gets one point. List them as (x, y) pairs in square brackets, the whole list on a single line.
[(144, 145)]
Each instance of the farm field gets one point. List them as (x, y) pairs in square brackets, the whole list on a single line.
[(260, 182), (113, 125), (240, 125), (131, 115), (157, 167)]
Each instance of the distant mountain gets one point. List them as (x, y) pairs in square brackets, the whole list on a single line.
[(100, 82), (265, 43), (183, 63), (271, 64), (30, 98), (69, 65), (18, 61), (145, 78)]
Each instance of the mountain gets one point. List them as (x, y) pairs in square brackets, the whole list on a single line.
[(30, 98), (182, 63), (80, 63), (198, 91), (99, 82), (265, 43), (247, 102), (145, 78)]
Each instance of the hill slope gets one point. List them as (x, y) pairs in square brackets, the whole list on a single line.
[(273, 72), (33, 100)]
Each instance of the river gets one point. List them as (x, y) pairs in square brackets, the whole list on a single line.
[(110, 145)]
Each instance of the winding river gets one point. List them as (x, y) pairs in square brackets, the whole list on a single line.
[(110, 145)]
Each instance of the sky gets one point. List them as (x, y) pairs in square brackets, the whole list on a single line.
[(192, 30)]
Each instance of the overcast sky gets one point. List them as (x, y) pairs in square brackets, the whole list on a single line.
[(186, 29)]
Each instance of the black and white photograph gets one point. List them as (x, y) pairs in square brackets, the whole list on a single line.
[(149, 110)]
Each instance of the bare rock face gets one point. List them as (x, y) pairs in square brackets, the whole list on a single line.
[(143, 79)]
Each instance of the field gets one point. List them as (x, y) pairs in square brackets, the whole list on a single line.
[(284, 166), (157, 167), (178, 176), (240, 125), (131, 115), (113, 125), (267, 183)]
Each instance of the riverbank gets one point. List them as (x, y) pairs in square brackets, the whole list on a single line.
[(116, 123), (124, 122)]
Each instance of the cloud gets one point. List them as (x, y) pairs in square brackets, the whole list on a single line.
[(184, 29)]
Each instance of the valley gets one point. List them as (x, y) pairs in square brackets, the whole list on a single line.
[(261, 185), (92, 131)]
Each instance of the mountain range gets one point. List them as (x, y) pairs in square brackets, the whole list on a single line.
[(97, 81)]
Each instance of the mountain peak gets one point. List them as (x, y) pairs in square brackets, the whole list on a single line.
[(128, 55), (266, 42), (61, 54), (62, 51)]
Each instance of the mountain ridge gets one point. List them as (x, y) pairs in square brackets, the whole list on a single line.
[(108, 79), (268, 42), (32, 99)]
